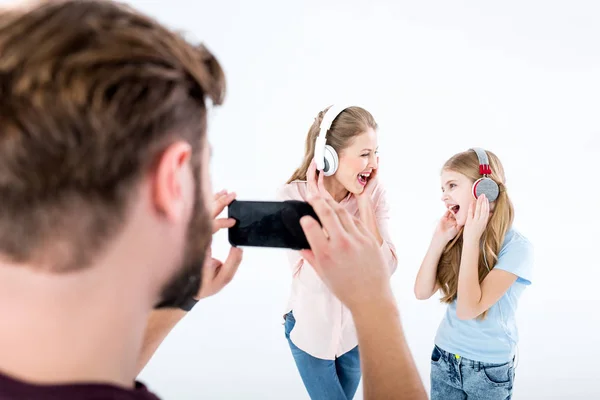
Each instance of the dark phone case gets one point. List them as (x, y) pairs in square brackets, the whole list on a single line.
[(280, 229)]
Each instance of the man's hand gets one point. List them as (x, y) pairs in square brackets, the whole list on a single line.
[(217, 274), (351, 264), (350, 261)]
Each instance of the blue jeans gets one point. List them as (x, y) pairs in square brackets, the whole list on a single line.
[(325, 379), (460, 378)]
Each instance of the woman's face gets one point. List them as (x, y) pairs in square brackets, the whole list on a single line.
[(357, 162)]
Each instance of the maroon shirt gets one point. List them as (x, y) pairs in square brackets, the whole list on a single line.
[(11, 389)]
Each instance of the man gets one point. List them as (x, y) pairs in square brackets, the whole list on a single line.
[(105, 216)]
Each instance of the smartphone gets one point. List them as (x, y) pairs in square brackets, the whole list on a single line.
[(269, 223)]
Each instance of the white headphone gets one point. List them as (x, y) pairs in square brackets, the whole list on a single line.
[(326, 157)]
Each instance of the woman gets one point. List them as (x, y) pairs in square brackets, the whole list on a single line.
[(342, 144)]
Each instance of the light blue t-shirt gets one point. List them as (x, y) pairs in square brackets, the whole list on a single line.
[(493, 339)]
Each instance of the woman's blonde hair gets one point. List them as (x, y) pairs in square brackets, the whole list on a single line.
[(467, 163), (348, 124)]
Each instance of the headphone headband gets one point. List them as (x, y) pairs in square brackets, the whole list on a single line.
[(329, 117), (484, 163)]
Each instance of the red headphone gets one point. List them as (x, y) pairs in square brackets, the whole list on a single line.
[(485, 185)]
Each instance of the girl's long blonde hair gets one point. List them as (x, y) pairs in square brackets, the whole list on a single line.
[(467, 163)]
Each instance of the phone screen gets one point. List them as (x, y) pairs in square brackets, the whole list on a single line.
[(269, 223)]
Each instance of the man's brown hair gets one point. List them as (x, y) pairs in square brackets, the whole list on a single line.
[(91, 92)]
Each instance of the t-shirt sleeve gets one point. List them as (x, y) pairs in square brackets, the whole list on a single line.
[(516, 257)]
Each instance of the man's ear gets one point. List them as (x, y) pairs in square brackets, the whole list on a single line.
[(171, 176)]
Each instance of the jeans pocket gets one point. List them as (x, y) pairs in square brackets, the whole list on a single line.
[(498, 375), (436, 355)]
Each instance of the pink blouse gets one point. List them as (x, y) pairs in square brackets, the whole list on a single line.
[(324, 327)]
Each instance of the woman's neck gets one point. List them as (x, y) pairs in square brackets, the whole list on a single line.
[(335, 189)]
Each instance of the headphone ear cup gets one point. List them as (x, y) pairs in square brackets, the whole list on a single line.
[(331, 161), (486, 186)]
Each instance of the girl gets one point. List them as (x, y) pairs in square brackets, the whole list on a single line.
[(482, 265), (319, 329)]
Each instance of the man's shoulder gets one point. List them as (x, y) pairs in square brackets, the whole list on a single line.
[(11, 388), (141, 392)]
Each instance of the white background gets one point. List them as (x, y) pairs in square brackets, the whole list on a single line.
[(521, 78)]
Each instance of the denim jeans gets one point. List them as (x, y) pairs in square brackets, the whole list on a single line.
[(454, 378), (325, 379)]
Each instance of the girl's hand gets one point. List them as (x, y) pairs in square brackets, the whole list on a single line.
[(447, 228), (477, 219)]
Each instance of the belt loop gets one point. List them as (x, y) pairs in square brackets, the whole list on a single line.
[(478, 366)]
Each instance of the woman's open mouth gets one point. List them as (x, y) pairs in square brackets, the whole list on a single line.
[(363, 178)]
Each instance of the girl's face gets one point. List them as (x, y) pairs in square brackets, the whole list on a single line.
[(457, 194), (357, 162)]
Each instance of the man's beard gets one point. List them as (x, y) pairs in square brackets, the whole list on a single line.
[(187, 280)]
